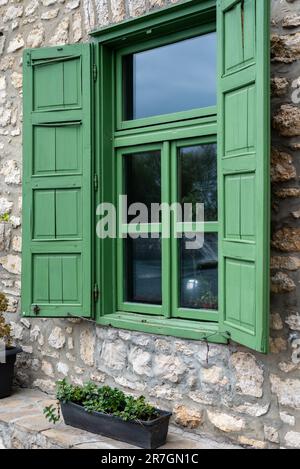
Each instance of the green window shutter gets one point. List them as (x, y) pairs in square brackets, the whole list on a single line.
[(57, 182), (243, 146)]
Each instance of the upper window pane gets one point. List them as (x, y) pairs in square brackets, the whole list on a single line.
[(172, 78)]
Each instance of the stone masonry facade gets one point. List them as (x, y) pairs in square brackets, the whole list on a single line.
[(227, 392)]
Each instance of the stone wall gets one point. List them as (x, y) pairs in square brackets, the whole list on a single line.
[(225, 391)]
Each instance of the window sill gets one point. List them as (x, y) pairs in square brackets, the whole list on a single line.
[(160, 325)]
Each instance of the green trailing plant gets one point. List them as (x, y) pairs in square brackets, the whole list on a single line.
[(5, 329), (103, 399)]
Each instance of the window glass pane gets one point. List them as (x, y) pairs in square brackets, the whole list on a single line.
[(199, 274), (143, 179), (198, 178), (172, 78), (143, 270)]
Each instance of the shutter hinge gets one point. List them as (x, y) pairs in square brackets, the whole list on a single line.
[(36, 309), (96, 292), (95, 182), (95, 72), (28, 59)]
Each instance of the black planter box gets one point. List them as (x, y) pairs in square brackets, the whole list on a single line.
[(7, 371), (148, 435)]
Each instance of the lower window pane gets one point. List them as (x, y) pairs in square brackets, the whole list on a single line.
[(143, 270), (199, 273)]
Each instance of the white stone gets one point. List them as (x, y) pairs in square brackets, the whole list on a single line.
[(1, 444), (5, 117), (36, 37), (34, 333), (293, 322), (70, 343), (46, 3), (271, 434), (57, 338), (73, 4), (87, 346), (168, 367), (17, 243), (11, 172), (16, 44), (288, 419), (292, 440), (5, 239), (140, 361), (62, 368), (11, 263), (12, 13), (50, 14), (2, 90), (61, 34), (226, 423), (201, 398), (70, 357), (17, 80), (5, 206), (249, 374), (17, 330), (114, 355), (126, 383), (288, 391), (77, 27), (254, 410), (2, 44), (44, 385), (165, 392), (15, 221), (213, 375), (3, 2), (89, 14), (47, 369), (25, 323), (31, 7), (78, 370), (27, 349)]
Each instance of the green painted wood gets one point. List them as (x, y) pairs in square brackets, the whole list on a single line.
[(57, 197), (187, 329), (243, 159)]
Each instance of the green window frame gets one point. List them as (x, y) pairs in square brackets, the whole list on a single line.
[(240, 126)]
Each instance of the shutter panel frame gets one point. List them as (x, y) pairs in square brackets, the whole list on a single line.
[(244, 170), (57, 182)]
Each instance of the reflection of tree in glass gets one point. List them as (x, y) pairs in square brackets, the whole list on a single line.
[(198, 178), (143, 178), (199, 274)]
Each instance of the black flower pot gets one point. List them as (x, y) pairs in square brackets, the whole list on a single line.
[(148, 435), (7, 371)]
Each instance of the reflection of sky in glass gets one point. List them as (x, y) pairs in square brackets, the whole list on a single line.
[(177, 77)]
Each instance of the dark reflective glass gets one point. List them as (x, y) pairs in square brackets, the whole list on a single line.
[(198, 178), (143, 179), (143, 278), (172, 78), (199, 274)]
